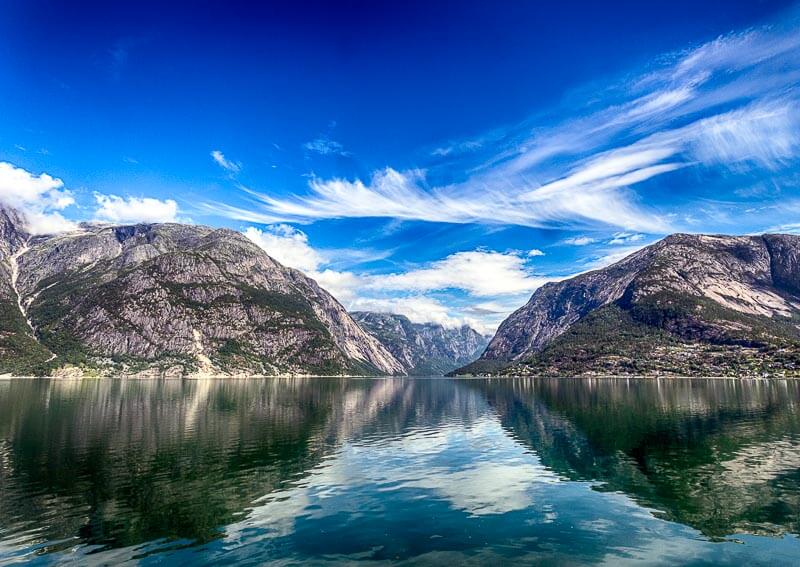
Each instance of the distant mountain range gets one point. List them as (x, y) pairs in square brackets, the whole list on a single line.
[(686, 305), (423, 348), (173, 299)]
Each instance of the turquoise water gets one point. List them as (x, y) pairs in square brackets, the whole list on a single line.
[(416, 471)]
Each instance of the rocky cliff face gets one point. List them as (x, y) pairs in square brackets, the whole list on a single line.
[(171, 298), (423, 349), (689, 304)]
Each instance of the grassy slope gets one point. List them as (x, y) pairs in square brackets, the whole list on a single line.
[(20, 353), (671, 335)]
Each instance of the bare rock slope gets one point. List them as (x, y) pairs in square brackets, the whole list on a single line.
[(688, 304), (168, 298)]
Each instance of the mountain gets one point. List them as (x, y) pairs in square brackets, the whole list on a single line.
[(168, 298), (423, 348), (686, 305)]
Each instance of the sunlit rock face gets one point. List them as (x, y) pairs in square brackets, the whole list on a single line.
[(423, 348), (11, 239), (172, 298), (689, 304)]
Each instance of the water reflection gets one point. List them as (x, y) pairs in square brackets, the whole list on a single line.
[(399, 469), (722, 456)]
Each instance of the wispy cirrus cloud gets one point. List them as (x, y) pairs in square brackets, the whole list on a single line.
[(579, 240), (404, 195), (225, 163), (325, 146), (625, 238), (731, 105)]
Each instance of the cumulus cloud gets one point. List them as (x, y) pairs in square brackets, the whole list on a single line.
[(291, 247), (225, 163), (287, 245), (479, 272), (121, 210), (343, 285), (503, 278), (38, 197)]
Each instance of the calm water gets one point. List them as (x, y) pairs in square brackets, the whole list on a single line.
[(421, 471)]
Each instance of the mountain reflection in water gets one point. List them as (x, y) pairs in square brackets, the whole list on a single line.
[(417, 470)]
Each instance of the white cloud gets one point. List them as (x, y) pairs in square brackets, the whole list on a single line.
[(765, 134), (535, 252), (290, 247), (344, 286), (325, 146), (225, 163), (790, 228), (610, 170), (732, 103), (287, 245), (121, 210), (579, 240), (401, 195), (626, 238), (39, 222), (458, 148), (503, 278), (478, 272), (739, 51), (38, 197), (238, 213)]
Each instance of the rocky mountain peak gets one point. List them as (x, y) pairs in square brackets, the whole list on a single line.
[(171, 298), (12, 230), (687, 291)]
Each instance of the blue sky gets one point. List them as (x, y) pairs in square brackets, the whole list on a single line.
[(439, 159)]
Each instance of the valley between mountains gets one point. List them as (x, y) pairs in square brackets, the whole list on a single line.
[(176, 300)]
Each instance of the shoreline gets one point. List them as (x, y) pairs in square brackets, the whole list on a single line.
[(73, 377)]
